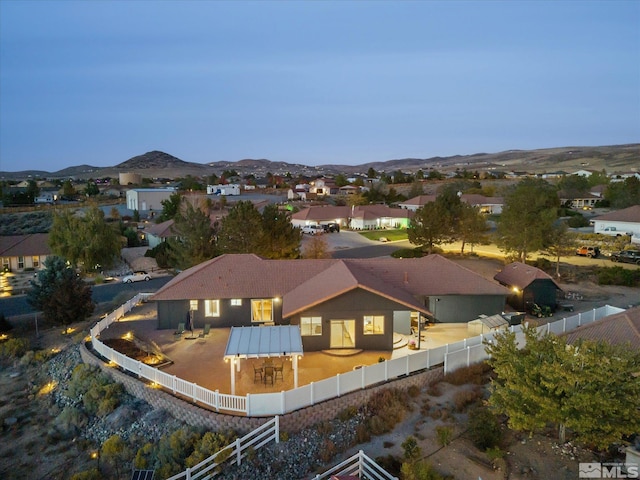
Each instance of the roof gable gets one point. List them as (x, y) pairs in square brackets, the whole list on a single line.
[(521, 275), (24, 245)]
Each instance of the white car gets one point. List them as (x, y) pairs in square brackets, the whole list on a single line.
[(138, 276), (313, 229)]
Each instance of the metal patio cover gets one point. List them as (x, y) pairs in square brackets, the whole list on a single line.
[(273, 341)]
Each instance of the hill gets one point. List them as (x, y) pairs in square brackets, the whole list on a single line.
[(154, 164)]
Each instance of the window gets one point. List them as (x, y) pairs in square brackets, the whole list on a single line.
[(310, 326), (20, 263), (212, 308), (6, 265), (373, 324), (236, 302), (193, 304), (262, 310), (35, 262)]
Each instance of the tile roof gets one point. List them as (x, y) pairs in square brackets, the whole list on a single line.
[(306, 282), (619, 329), (521, 275), (24, 245), (630, 214), (162, 230)]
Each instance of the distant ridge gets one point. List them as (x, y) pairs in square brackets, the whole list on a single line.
[(154, 159)]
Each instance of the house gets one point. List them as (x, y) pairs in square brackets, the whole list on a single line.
[(148, 199), (490, 205), (324, 186), (586, 200), (46, 197), (338, 303), (157, 233), (528, 285), (619, 329), (21, 252), (619, 222), (359, 217)]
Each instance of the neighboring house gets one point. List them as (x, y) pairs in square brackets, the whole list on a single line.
[(117, 191), (147, 199), (582, 201), (528, 285), (324, 186), (46, 197), (157, 233), (619, 222), (619, 329), (490, 205), (338, 303), (20, 252), (583, 173), (622, 176), (360, 217)]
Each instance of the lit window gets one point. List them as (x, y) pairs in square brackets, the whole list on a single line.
[(20, 262), (236, 302), (373, 324), (193, 304), (212, 308), (262, 310), (35, 261), (310, 326)]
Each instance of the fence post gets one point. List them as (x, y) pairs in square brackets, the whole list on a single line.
[(579, 318), (277, 427), (468, 356), (283, 402), (338, 384), (407, 372), (446, 356), (216, 400), (247, 405), (312, 399), (173, 383), (564, 325), (188, 472), (195, 395), (386, 371), (428, 359), (363, 384), (238, 452), (548, 327)]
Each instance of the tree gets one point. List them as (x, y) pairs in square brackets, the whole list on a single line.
[(574, 185), (472, 227), (590, 388), (561, 243), (530, 209), (280, 239), (195, 237), (240, 230), (416, 189), (428, 227), (61, 295), (170, 207), (115, 454), (67, 189), (623, 194), (89, 241), (91, 190), (371, 173), (341, 180)]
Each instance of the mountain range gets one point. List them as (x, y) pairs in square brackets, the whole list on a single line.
[(156, 164)]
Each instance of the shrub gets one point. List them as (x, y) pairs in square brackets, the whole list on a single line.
[(444, 434), (13, 348), (411, 449), (100, 395), (419, 471), (347, 414), (408, 253), (363, 434), (463, 398), (413, 391), (472, 374), (324, 428), (484, 428), (327, 451), (618, 276)]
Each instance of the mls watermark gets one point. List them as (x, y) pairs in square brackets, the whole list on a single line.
[(608, 470)]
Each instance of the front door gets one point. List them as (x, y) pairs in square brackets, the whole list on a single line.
[(343, 334)]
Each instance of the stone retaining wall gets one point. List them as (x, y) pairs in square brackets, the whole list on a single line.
[(197, 416)]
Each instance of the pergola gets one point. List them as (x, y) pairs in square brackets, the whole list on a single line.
[(263, 342)]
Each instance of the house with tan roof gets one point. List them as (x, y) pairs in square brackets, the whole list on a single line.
[(358, 217), (528, 285), (490, 205), (21, 252), (619, 223), (337, 303)]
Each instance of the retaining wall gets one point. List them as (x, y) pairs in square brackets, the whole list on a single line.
[(197, 416)]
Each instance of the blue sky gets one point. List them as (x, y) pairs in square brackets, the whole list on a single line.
[(313, 82)]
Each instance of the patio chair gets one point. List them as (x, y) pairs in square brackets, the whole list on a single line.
[(278, 370), (205, 330), (257, 373), (268, 373), (178, 333)]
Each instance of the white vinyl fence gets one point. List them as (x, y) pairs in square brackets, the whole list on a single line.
[(453, 356)]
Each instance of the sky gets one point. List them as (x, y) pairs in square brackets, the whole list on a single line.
[(312, 82)]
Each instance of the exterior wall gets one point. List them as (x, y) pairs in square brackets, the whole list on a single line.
[(144, 200), (27, 261), (130, 178), (464, 308), (170, 313), (352, 306), (542, 292), (199, 417)]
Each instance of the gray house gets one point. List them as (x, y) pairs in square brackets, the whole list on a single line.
[(338, 303), (528, 285)]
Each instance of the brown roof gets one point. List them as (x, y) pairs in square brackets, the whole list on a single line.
[(306, 282), (618, 329), (162, 230), (630, 214), (331, 213), (24, 245), (470, 198), (521, 275)]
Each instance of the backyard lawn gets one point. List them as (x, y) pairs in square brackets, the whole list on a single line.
[(390, 235)]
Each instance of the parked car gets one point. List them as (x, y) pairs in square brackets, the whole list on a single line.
[(312, 229), (626, 256), (331, 227), (137, 276), (586, 251)]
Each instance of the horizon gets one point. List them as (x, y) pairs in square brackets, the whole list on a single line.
[(312, 83)]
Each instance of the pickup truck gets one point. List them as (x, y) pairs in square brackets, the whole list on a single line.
[(585, 251)]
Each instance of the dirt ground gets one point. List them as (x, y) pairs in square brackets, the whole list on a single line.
[(26, 416)]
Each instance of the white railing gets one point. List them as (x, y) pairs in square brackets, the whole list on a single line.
[(453, 356), (234, 452), (359, 465)]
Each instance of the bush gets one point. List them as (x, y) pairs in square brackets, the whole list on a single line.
[(618, 276), (347, 414), (472, 374), (100, 395), (444, 434), (408, 253), (13, 348), (463, 398), (413, 391), (411, 449), (328, 451), (484, 428)]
